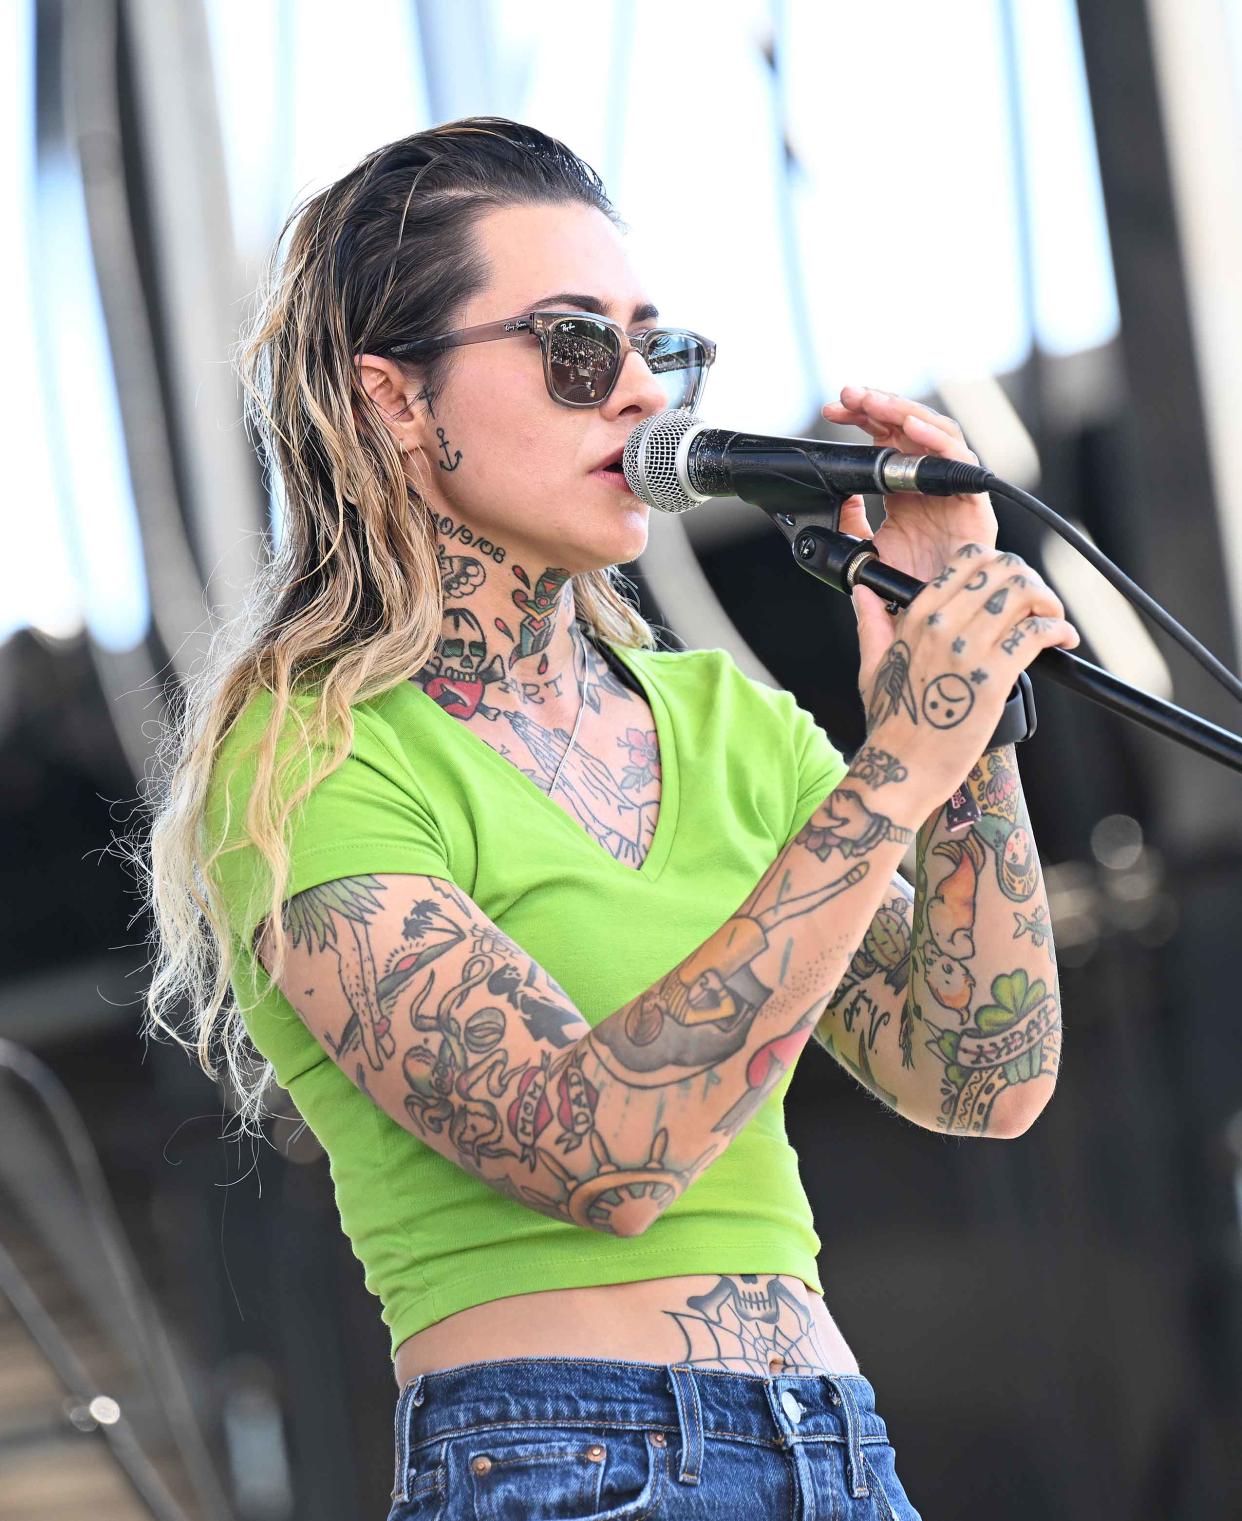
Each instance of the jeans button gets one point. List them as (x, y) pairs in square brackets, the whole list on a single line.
[(791, 1406)]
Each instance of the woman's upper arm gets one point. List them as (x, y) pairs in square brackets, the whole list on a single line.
[(434, 1013)]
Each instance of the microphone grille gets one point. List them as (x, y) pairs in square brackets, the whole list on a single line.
[(650, 459)]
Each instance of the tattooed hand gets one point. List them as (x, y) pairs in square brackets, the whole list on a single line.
[(919, 534), (935, 679)]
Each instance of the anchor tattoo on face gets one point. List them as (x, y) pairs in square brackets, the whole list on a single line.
[(454, 457)]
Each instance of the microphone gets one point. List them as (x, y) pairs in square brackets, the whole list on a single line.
[(673, 462)]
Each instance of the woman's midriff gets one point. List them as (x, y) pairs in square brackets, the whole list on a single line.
[(736, 1322)]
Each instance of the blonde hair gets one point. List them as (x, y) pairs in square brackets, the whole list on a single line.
[(349, 603)]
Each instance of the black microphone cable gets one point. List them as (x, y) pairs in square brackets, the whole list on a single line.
[(656, 448), (1128, 588)]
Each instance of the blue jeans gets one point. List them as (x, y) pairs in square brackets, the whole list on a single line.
[(554, 1438)]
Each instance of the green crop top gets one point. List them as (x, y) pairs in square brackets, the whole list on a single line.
[(743, 768)]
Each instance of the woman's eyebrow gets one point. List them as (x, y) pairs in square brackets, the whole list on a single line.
[(644, 312)]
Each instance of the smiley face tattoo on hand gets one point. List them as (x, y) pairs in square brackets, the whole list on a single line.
[(947, 700)]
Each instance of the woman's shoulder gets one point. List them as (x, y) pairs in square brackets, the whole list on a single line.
[(305, 740), (711, 670)]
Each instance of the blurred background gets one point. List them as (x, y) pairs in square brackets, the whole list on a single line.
[(1027, 213)]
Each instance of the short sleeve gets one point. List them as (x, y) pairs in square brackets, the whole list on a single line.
[(820, 766), (365, 817)]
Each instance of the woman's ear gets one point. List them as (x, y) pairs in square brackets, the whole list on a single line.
[(399, 399)]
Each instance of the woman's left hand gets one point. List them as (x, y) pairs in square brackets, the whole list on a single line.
[(919, 534)]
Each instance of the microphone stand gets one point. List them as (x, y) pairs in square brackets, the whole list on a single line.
[(808, 516)]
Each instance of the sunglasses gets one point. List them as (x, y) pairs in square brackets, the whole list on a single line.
[(583, 355)]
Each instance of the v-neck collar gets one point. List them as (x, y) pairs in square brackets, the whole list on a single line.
[(670, 781)]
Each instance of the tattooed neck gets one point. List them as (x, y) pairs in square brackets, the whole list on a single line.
[(509, 637)]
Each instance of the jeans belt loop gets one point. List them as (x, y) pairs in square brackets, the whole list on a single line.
[(411, 1394), (689, 1423), (853, 1437)]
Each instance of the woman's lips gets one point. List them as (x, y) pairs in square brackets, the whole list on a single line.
[(614, 478)]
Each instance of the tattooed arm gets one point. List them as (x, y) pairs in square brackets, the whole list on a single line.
[(941, 1015), (983, 994), (463, 1039), (459, 1036), (973, 1046)]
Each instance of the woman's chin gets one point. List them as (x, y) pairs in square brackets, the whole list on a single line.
[(621, 539), (635, 517)]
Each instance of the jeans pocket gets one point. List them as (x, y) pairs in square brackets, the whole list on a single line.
[(555, 1473)]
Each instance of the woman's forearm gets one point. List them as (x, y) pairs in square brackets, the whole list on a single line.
[(984, 1006), (681, 1068)]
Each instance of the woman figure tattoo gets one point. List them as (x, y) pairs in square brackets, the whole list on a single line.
[(891, 690)]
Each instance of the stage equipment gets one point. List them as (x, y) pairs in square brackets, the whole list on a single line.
[(673, 462), (87, 1408)]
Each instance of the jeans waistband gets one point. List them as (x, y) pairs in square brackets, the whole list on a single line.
[(692, 1403)]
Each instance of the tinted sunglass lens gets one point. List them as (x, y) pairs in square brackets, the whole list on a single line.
[(582, 359), (677, 360)]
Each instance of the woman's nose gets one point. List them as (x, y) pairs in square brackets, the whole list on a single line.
[(636, 387)]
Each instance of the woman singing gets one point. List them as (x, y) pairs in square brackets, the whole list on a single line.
[(532, 918)]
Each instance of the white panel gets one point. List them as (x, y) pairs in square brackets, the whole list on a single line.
[(37, 581), (90, 469), (908, 220), (1197, 57), (1075, 294)]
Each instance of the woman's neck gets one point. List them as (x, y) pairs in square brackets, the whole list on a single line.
[(508, 639)]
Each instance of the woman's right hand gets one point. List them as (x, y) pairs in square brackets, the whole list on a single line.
[(935, 693)]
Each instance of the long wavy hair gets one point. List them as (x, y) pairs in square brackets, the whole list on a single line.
[(348, 603)]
